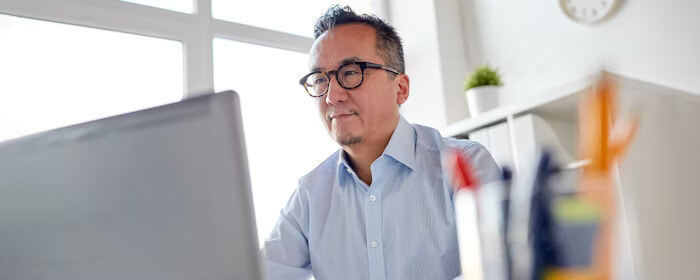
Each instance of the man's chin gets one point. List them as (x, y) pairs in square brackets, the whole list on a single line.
[(347, 140)]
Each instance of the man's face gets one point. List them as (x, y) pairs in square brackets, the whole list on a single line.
[(368, 112)]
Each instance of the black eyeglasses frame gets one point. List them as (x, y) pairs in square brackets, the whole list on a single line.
[(363, 65)]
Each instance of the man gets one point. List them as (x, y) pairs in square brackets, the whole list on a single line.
[(381, 207)]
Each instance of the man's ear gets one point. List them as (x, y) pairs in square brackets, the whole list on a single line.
[(403, 83)]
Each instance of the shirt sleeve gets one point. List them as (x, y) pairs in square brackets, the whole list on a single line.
[(286, 250), (483, 164)]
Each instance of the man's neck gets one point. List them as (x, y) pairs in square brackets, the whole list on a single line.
[(363, 154)]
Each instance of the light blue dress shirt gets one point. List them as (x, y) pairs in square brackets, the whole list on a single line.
[(402, 226)]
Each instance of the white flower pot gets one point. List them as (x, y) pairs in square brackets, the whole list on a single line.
[(482, 99)]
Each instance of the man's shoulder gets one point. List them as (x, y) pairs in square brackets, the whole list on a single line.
[(431, 139), (486, 167), (324, 171)]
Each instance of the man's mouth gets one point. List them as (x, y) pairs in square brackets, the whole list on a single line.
[(342, 116)]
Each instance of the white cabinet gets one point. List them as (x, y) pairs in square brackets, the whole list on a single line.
[(530, 133), (533, 133), (658, 185), (496, 139)]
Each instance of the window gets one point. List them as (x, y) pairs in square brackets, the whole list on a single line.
[(56, 75), (284, 135), (69, 69), (184, 6), (297, 17)]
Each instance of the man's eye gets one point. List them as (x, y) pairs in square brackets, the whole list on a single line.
[(319, 81), (350, 73)]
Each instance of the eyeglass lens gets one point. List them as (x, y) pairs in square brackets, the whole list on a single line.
[(350, 76)]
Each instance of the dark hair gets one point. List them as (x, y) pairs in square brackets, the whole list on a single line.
[(388, 42)]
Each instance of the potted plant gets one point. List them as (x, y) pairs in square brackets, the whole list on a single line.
[(482, 90)]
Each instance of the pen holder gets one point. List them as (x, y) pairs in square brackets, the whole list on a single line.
[(575, 230)]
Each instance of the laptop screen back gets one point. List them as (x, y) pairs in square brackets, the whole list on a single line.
[(162, 193)]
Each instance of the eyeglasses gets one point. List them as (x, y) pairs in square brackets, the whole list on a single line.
[(349, 76)]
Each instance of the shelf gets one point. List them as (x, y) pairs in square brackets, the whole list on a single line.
[(559, 103)]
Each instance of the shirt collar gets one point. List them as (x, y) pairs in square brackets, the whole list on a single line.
[(343, 160), (401, 147)]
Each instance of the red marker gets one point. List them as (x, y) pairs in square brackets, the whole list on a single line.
[(467, 218), (463, 175)]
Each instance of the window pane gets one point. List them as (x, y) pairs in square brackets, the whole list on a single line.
[(55, 75), (296, 17), (284, 135), (183, 6)]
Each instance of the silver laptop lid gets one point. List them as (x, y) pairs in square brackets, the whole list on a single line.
[(162, 193)]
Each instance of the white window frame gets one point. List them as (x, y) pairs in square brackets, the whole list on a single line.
[(196, 31)]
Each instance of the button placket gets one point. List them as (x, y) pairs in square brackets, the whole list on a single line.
[(373, 227)]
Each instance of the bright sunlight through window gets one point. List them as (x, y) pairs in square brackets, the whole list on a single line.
[(54, 75)]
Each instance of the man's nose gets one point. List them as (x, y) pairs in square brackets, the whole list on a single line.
[(335, 93)]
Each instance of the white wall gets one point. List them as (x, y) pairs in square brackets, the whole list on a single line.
[(416, 23), (453, 57), (437, 60), (659, 181), (537, 47)]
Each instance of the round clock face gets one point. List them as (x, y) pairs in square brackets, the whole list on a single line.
[(588, 11)]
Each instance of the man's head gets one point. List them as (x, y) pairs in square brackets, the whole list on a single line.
[(388, 43), (369, 112)]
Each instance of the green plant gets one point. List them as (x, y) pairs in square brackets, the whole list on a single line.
[(483, 76)]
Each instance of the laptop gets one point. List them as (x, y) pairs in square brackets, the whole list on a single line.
[(162, 193)]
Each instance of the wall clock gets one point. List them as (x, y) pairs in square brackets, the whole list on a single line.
[(589, 11)]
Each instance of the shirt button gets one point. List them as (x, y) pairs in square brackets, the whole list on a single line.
[(373, 244), (372, 198)]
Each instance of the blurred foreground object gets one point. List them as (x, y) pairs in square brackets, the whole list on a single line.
[(602, 142), (467, 218), (656, 188), (480, 214)]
